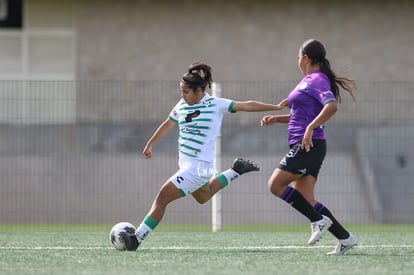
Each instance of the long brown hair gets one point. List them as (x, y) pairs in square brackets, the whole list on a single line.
[(317, 53), (198, 75)]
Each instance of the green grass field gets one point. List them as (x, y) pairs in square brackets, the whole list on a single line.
[(42, 249)]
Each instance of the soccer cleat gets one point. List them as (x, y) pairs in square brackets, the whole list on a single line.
[(319, 228), (242, 166), (130, 240), (343, 246)]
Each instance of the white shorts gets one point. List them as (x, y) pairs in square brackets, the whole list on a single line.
[(192, 175)]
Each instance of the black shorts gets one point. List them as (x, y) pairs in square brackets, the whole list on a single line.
[(298, 161)]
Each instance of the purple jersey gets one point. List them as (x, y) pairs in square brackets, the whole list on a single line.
[(306, 101)]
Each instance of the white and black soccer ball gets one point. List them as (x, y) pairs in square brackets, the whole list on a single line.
[(116, 230)]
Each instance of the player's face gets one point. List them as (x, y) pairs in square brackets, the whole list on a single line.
[(300, 61), (303, 60), (189, 95)]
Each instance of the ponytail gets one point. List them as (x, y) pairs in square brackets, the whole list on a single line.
[(344, 82), (316, 52), (198, 75)]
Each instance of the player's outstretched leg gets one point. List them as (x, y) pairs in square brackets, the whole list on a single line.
[(242, 166)]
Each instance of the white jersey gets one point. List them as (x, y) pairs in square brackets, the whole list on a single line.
[(199, 125)]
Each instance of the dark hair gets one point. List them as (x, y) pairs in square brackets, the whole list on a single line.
[(198, 75), (317, 53)]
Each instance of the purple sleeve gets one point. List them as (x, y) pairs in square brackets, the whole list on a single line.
[(322, 90)]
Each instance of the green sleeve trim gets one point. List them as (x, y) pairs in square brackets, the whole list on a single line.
[(231, 107), (150, 222), (172, 119), (223, 180)]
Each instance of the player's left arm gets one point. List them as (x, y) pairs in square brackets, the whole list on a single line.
[(257, 106), (161, 131), (328, 110)]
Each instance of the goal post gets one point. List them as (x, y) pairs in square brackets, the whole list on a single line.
[(216, 200)]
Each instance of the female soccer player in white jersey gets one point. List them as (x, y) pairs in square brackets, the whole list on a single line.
[(199, 117), (312, 103)]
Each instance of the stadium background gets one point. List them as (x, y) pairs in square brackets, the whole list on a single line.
[(85, 83)]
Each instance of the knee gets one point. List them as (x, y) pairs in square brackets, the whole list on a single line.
[(275, 188), (201, 200)]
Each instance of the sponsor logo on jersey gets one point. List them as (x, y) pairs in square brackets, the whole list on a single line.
[(192, 115), (207, 102)]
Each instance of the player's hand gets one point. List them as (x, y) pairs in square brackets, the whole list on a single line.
[(268, 120), (147, 152), (307, 140), (282, 104)]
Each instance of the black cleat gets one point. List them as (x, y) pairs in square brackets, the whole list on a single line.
[(242, 166), (130, 240)]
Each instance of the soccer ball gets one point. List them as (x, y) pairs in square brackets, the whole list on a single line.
[(114, 234)]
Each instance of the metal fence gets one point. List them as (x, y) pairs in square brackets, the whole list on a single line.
[(70, 152)]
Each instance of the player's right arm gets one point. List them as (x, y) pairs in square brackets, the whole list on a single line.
[(164, 128), (257, 106), (271, 119)]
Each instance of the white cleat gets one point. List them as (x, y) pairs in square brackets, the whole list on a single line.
[(343, 246), (319, 228)]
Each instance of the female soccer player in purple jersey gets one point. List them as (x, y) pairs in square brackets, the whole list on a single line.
[(312, 103)]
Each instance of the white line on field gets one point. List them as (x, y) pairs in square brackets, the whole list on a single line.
[(230, 248)]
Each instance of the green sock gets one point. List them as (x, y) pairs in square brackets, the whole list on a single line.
[(227, 176), (147, 225)]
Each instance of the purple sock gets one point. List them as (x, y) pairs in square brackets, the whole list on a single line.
[(336, 229), (295, 198)]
